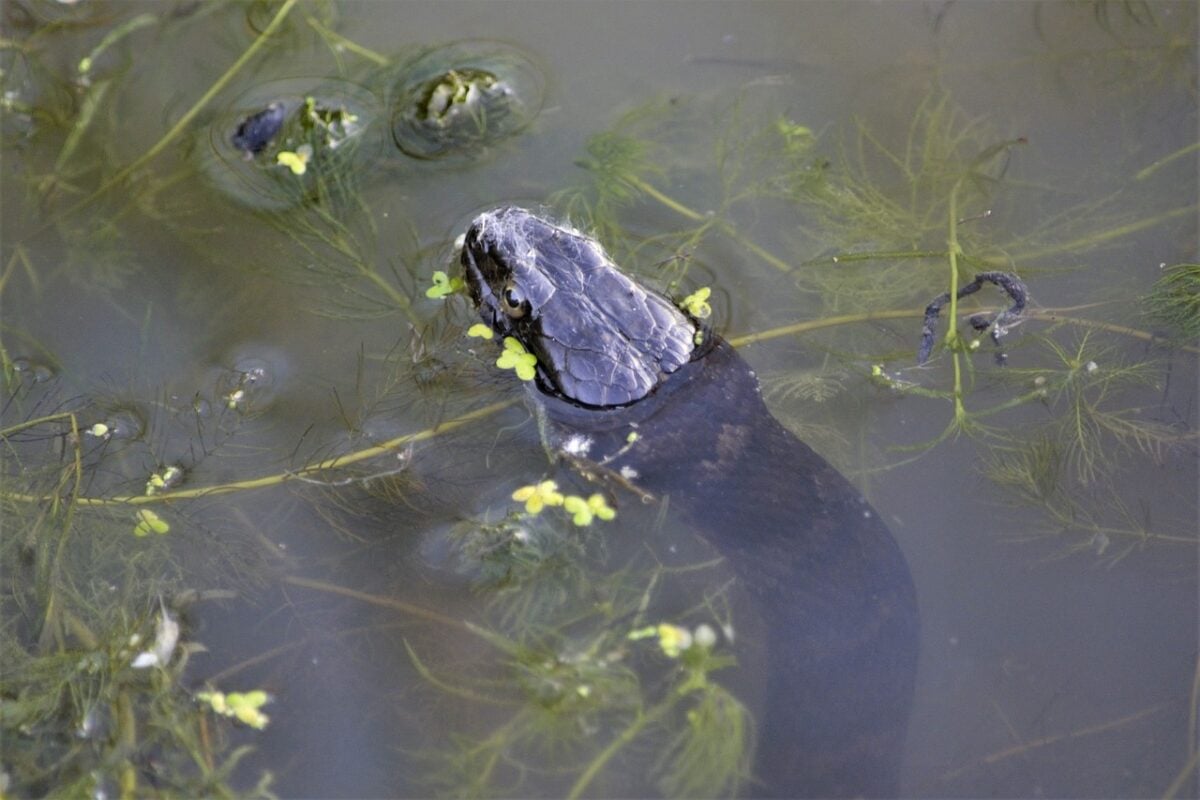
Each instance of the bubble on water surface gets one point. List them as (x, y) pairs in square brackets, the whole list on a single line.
[(251, 381), (34, 371)]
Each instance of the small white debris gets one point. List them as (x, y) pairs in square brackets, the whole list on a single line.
[(1091, 367), (629, 473), (144, 659), (704, 636), (577, 445), (166, 637)]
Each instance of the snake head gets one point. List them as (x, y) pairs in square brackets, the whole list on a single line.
[(600, 338)]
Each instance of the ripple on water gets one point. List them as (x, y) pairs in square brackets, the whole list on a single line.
[(275, 145), (455, 100), (251, 380)]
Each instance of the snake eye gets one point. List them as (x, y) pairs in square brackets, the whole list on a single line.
[(513, 302)]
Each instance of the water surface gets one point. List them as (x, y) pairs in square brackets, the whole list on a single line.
[(809, 162)]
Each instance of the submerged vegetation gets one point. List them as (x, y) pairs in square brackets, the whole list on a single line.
[(597, 664), (923, 206)]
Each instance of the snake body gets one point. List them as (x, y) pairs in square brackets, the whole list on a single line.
[(614, 357)]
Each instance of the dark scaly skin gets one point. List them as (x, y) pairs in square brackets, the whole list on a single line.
[(256, 131), (601, 339), (829, 579)]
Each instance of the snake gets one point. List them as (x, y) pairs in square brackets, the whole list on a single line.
[(615, 357)]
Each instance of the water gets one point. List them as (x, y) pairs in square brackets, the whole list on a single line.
[(1059, 638)]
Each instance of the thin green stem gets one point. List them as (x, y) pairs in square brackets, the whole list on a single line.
[(49, 623), (767, 256), (1093, 240), (818, 324), (667, 201), (631, 732), (877, 255), (697, 216), (180, 125), (952, 342), (1024, 748), (266, 481), (1183, 777), (1194, 709), (449, 688), (1162, 162), (307, 471), (349, 44), (377, 600)]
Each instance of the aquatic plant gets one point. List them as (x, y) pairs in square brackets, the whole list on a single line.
[(1174, 301), (456, 100), (584, 678)]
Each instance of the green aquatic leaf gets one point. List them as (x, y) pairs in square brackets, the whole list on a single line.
[(583, 510), (444, 286), (518, 359), (538, 496), (296, 161), (696, 303), (1174, 300), (243, 706), (149, 522), (480, 331)]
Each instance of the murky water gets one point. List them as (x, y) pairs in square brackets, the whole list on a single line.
[(221, 315)]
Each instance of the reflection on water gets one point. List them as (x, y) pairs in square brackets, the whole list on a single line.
[(230, 402)]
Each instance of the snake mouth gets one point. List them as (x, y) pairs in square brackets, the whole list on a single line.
[(479, 262)]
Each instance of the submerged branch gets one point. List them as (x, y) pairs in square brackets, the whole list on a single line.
[(390, 446)]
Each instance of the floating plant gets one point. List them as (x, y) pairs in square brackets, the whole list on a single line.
[(458, 99), (281, 140)]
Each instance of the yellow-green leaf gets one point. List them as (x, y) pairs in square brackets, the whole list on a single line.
[(518, 359), (578, 507), (296, 161), (538, 496), (673, 639), (244, 706), (444, 286), (149, 522), (479, 331), (600, 507), (696, 303)]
